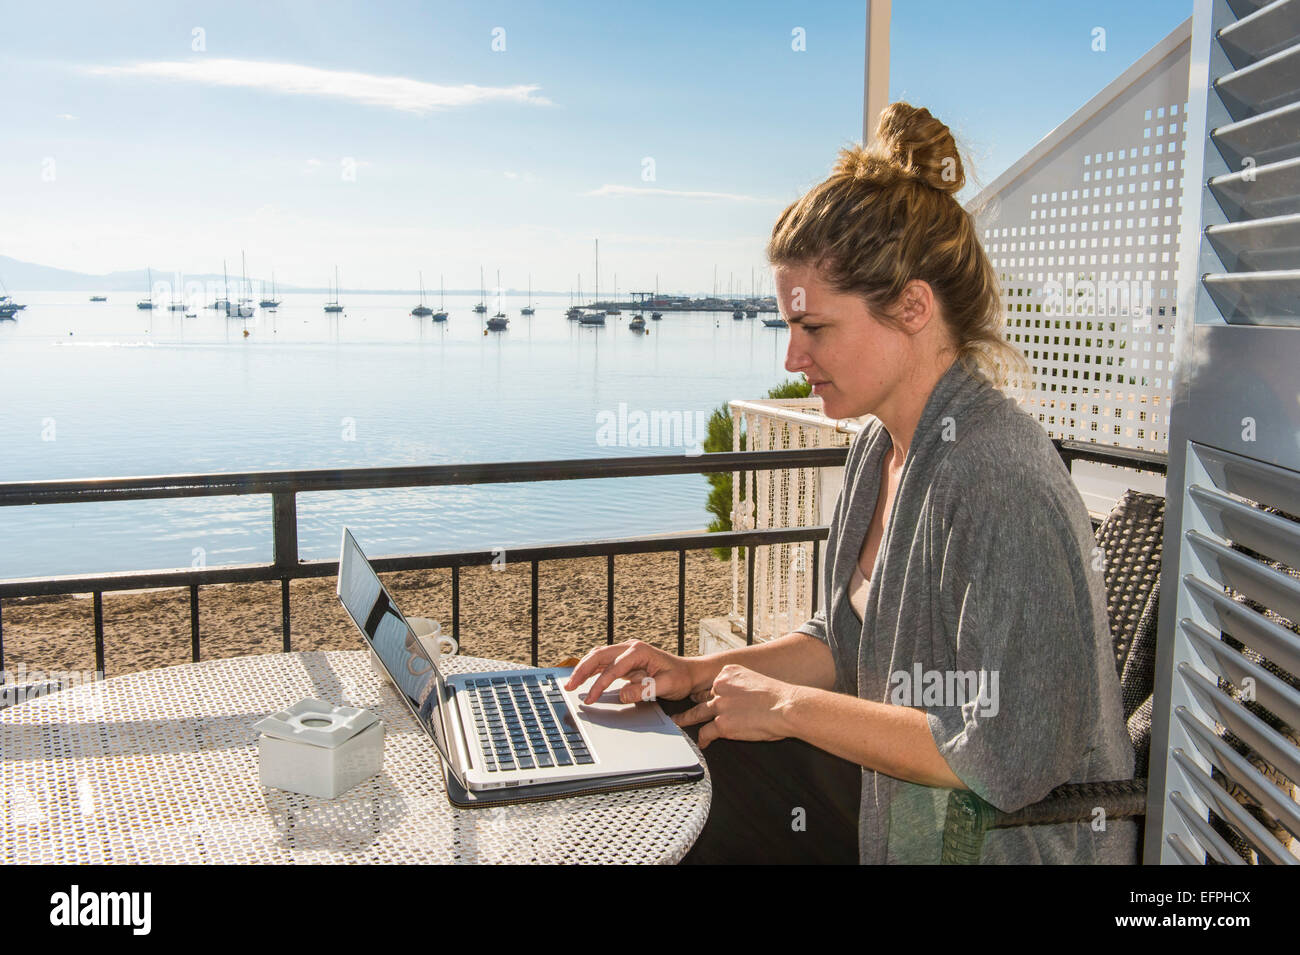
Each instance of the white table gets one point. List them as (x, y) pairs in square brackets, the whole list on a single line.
[(161, 767)]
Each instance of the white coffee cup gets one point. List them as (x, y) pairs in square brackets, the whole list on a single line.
[(429, 632)]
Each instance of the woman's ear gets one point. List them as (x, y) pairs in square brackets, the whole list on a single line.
[(917, 307)]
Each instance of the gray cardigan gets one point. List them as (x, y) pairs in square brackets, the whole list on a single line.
[(988, 610)]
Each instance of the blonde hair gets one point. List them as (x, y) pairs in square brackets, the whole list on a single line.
[(886, 215)]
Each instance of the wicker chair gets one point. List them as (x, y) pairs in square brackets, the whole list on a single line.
[(1131, 539)]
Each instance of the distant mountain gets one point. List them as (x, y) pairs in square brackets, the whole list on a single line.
[(30, 277)]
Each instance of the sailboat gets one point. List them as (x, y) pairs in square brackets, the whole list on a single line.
[(245, 299), (656, 316), (244, 307), (421, 310), (498, 322), (528, 309), (271, 302), (575, 311), (441, 314), (751, 309), (177, 304), (223, 303), (8, 307), (334, 306), (595, 316), (147, 302), (481, 307)]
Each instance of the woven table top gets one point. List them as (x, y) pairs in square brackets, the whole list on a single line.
[(161, 766)]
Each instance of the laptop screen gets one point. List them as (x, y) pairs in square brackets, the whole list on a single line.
[(413, 672)]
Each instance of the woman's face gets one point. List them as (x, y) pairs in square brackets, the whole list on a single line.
[(853, 361)]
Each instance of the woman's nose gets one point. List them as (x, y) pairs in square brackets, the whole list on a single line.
[(795, 358)]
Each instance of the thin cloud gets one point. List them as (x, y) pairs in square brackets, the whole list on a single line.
[(65, 116), (389, 92), (611, 190)]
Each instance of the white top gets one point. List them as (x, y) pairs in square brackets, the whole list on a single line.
[(859, 591), (161, 767)]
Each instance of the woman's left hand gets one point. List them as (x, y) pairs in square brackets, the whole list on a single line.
[(745, 705)]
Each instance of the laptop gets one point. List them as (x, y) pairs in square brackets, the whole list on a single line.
[(513, 735)]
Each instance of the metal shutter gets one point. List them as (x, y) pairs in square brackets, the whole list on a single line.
[(1225, 762)]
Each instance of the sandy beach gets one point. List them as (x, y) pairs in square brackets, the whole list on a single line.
[(152, 628)]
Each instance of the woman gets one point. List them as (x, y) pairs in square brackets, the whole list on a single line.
[(963, 640)]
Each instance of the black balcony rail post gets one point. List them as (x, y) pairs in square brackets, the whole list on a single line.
[(284, 611), (816, 574), (749, 595), (681, 603), (284, 532), (194, 623), (99, 631), (455, 603), (609, 600), (534, 613)]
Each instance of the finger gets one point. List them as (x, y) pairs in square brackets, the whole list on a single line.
[(638, 682), (627, 660), (703, 695), (708, 733), (696, 714), (595, 661)]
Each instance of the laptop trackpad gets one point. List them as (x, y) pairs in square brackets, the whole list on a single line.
[(631, 737), (609, 712)]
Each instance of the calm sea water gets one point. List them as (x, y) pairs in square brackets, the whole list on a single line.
[(109, 390)]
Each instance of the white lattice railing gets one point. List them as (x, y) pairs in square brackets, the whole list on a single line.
[(791, 497)]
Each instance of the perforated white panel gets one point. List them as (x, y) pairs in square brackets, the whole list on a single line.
[(1083, 232)]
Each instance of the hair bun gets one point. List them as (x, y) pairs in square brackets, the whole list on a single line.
[(910, 143)]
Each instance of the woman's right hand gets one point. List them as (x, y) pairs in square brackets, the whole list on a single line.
[(651, 673)]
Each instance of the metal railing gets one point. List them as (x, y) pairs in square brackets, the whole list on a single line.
[(284, 486)]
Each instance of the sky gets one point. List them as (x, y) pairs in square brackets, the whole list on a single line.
[(386, 138)]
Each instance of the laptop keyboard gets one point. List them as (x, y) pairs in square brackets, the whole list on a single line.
[(523, 722)]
